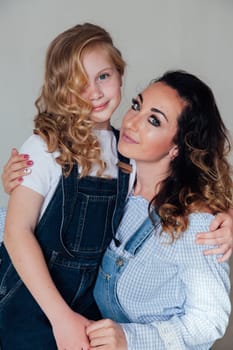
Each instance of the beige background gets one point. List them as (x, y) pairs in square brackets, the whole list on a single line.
[(153, 35)]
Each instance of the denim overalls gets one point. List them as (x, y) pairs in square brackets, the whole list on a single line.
[(73, 234), (112, 266)]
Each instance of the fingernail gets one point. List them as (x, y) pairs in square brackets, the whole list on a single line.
[(26, 156), (20, 179), (29, 162)]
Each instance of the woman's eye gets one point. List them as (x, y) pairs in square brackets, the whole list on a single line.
[(135, 105), (153, 120)]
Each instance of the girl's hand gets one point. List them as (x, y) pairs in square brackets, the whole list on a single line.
[(70, 332), (17, 166), (106, 335), (221, 234)]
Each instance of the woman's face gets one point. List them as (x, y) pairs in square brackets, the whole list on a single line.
[(149, 127)]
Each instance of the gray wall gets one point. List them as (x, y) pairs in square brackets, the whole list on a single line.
[(153, 35)]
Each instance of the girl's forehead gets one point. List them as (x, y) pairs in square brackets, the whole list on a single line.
[(97, 59)]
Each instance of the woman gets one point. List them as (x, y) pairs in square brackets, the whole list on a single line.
[(153, 281)]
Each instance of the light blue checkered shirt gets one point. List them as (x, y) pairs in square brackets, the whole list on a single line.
[(175, 297)]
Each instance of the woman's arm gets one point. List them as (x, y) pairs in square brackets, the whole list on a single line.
[(16, 167), (27, 257), (107, 335)]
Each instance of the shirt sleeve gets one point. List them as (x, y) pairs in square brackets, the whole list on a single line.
[(45, 171), (207, 304)]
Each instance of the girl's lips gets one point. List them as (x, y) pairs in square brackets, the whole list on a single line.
[(100, 107)]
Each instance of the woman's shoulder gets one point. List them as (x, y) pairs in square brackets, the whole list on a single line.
[(198, 220)]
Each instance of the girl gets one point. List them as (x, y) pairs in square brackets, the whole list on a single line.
[(60, 222)]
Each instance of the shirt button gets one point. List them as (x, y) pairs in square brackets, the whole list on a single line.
[(119, 262)]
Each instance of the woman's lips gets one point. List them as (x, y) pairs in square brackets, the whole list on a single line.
[(128, 139)]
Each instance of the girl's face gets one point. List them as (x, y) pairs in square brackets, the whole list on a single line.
[(149, 127), (104, 86)]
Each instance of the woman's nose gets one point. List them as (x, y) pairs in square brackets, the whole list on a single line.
[(131, 120)]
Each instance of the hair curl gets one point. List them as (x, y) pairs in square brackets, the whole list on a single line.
[(63, 115), (200, 176)]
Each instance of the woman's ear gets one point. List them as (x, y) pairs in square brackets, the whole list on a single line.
[(173, 153)]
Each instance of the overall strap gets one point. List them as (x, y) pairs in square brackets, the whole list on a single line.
[(142, 234), (69, 186), (122, 187)]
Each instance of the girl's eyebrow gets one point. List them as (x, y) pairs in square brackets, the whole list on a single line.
[(153, 109)]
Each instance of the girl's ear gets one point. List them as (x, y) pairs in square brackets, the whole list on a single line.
[(173, 153)]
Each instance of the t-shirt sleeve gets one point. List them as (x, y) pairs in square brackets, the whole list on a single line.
[(45, 171)]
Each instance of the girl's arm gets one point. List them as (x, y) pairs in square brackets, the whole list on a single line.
[(27, 257), (221, 234)]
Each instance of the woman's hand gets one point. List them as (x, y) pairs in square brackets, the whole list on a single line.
[(17, 166), (106, 335), (221, 234)]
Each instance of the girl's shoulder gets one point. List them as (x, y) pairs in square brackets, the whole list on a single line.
[(36, 146)]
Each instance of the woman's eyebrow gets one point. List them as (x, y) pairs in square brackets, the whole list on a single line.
[(156, 110), (153, 109)]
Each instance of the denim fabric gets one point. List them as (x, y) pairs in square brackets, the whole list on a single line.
[(173, 296), (73, 234), (111, 268)]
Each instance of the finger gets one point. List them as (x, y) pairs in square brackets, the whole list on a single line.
[(96, 326), (14, 152), (217, 221), (212, 241), (206, 235), (223, 233), (225, 256), (99, 341), (221, 250), (13, 184), (18, 165)]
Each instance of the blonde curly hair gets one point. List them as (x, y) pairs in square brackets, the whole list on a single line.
[(63, 115)]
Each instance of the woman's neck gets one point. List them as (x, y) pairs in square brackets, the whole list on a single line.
[(148, 180)]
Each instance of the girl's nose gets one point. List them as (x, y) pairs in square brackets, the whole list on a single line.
[(93, 92)]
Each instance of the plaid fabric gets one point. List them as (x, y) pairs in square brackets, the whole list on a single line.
[(175, 297)]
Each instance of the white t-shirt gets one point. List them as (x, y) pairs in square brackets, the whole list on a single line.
[(46, 172)]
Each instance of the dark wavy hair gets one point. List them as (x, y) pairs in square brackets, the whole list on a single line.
[(200, 176)]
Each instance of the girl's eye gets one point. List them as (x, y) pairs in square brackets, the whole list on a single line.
[(104, 76), (153, 120), (135, 105)]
